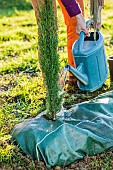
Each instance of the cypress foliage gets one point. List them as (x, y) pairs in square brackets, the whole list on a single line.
[(49, 58)]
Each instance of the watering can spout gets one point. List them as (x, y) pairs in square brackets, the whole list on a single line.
[(78, 73)]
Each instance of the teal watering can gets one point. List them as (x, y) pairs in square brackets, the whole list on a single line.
[(91, 65)]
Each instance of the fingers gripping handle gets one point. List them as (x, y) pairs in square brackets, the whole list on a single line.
[(82, 35)]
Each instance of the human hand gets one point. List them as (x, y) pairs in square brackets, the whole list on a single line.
[(81, 25)]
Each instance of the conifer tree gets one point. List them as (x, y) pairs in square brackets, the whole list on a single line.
[(49, 58)]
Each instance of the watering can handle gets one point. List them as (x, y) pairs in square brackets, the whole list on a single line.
[(89, 22), (82, 35)]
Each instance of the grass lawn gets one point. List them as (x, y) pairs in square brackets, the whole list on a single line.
[(22, 94)]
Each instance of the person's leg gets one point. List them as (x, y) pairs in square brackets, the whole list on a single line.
[(71, 24), (34, 4)]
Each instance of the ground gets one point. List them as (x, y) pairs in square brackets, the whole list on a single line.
[(22, 94)]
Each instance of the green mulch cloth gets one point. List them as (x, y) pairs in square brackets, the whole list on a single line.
[(85, 129)]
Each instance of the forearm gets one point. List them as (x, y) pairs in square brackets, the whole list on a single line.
[(72, 7)]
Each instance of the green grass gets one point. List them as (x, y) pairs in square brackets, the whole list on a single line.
[(22, 94)]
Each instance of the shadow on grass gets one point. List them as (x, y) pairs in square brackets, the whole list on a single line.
[(10, 7)]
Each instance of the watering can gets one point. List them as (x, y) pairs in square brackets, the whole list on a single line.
[(91, 66)]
